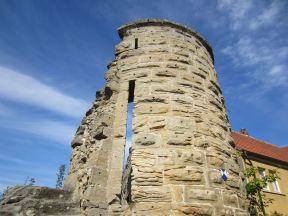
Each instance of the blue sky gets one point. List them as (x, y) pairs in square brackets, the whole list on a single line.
[(53, 56)]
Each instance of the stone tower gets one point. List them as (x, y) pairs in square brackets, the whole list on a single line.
[(181, 133)]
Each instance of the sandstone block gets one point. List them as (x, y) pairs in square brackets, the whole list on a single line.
[(172, 89), (123, 46), (143, 157), (193, 194), (148, 176), (146, 140), (156, 123), (166, 73), (151, 194), (215, 178), (181, 157), (230, 199), (222, 211), (183, 175), (179, 139), (140, 124), (151, 109), (177, 193), (180, 124), (152, 208), (192, 209), (181, 59)]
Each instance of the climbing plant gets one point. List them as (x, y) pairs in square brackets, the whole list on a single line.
[(255, 187)]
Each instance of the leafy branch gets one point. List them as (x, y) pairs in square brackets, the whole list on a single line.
[(256, 185)]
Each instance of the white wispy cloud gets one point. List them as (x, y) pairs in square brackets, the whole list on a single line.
[(236, 11), (11, 159), (58, 131), (248, 51), (266, 61), (268, 15), (22, 88), (251, 15)]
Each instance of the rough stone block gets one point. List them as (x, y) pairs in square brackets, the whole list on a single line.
[(166, 73), (140, 124), (156, 123), (177, 193), (148, 176), (185, 175), (222, 211), (193, 194), (179, 139), (180, 124), (151, 109), (172, 89), (192, 209), (215, 178), (151, 194), (230, 199), (181, 157), (181, 59), (152, 208), (146, 140), (143, 157)]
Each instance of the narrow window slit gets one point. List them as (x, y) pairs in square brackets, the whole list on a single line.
[(136, 43), (131, 91), (126, 180)]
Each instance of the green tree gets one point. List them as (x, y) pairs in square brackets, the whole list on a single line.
[(31, 181), (60, 176), (4, 192), (255, 187)]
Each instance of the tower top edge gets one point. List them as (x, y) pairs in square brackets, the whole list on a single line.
[(163, 22)]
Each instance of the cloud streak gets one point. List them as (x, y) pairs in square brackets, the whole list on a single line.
[(25, 89), (267, 62), (236, 10), (58, 131), (267, 17)]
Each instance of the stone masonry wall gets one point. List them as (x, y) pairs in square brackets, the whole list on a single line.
[(181, 131)]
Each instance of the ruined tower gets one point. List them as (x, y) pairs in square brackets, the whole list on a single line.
[(181, 134)]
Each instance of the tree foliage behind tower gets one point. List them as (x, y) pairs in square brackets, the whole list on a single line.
[(60, 176)]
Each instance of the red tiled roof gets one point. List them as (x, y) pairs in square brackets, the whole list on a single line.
[(259, 147), (285, 148)]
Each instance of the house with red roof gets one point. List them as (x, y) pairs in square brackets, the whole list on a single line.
[(267, 158)]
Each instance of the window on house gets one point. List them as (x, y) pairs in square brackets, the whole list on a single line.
[(275, 184), (262, 175)]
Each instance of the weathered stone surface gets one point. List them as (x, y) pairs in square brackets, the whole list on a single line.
[(230, 199), (181, 135), (151, 194), (225, 211), (152, 208), (146, 140), (38, 201), (193, 194), (184, 175), (193, 209), (181, 157), (148, 176), (179, 139)]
